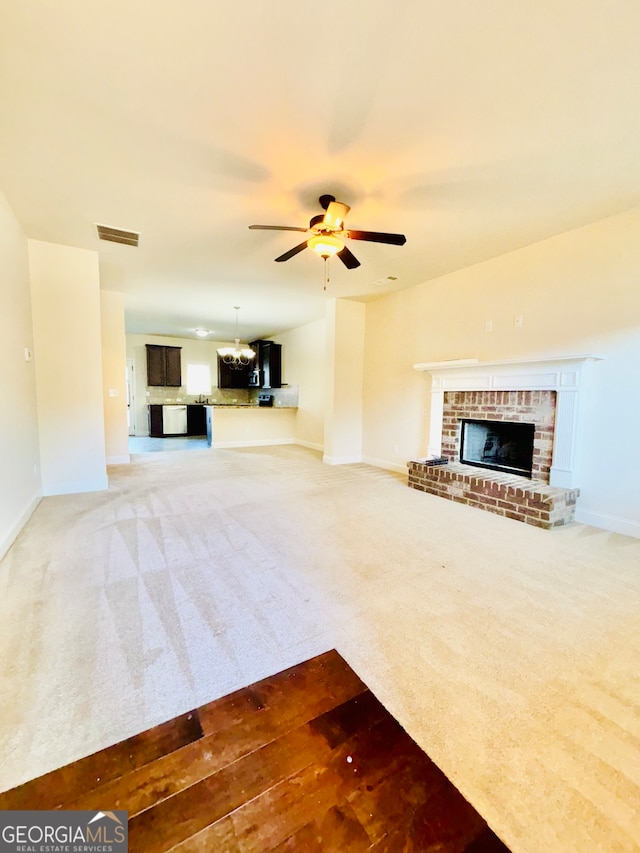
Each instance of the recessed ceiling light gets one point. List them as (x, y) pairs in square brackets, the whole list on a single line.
[(202, 333)]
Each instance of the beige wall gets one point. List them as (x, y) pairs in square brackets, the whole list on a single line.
[(304, 366), (19, 452), (113, 377), (577, 293), (65, 296), (344, 381)]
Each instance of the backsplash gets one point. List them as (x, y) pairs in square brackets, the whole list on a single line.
[(282, 397)]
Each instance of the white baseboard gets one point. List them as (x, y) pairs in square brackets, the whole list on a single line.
[(10, 536), (123, 459), (341, 460), (383, 463), (261, 442), (609, 522), (310, 444)]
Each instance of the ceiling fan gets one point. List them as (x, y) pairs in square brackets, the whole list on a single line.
[(328, 233)]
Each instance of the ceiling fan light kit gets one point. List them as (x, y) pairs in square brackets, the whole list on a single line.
[(325, 245), (328, 234), (335, 215)]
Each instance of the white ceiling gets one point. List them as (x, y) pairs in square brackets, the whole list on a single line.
[(473, 128)]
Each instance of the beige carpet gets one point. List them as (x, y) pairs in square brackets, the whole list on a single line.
[(511, 654)]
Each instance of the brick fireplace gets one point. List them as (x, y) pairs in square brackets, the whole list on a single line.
[(544, 393), (527, 407)]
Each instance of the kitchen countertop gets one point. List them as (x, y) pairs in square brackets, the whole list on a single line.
[(225, 405), (212, 405), (245, 406)]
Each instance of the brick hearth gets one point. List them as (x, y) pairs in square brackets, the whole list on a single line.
[(531, 501)]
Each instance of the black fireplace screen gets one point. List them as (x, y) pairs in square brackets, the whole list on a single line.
[(498, 445)]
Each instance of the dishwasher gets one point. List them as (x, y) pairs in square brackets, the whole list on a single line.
[(174, 420)]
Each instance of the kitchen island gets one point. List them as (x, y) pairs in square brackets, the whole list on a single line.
[(249, 425)]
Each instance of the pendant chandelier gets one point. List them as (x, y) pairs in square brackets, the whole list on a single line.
[(237, 356)]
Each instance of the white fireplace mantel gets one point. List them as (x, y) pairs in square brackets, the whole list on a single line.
[(562, 374)]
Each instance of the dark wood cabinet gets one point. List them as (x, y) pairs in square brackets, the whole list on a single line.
[(196, 420), (267, 366), (164, 365), (173, 366), (155, 365), (269, 363), (229, 377), (155, 421)]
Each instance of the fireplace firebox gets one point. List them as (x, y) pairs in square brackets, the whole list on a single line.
[(499, 445)]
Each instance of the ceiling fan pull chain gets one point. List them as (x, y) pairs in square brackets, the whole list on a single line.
[(326, 271)]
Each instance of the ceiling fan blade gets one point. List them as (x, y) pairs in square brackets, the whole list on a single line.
[(293, 251), (377, 237), (277, 228), (336, 212), (348, 258)]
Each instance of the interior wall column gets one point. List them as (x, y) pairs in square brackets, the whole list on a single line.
[(65, 296), (344, 382), (114, 367)]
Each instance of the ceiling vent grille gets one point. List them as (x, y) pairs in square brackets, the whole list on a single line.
[(117, 235)]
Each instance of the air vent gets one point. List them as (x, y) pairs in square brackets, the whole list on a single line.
[(116, 235)]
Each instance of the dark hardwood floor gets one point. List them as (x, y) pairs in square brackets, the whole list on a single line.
[(307, 760)]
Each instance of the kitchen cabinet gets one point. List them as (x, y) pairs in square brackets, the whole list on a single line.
[(160, 425), (265, 371), (196, 420), (155, 422), (228, 377), (164, 365), (268, 363)]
